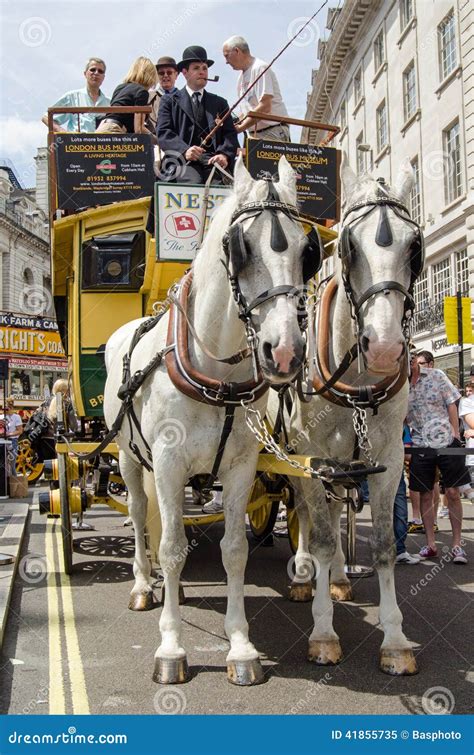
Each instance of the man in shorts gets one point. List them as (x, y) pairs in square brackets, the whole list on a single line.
[(433, 421)]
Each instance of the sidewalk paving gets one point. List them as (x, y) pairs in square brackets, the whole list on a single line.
[(13, 520)]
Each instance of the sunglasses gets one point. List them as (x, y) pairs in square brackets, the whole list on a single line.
[(166, 73), (97, 70)]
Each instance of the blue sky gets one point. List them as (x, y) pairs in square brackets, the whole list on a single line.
[(46, 43)]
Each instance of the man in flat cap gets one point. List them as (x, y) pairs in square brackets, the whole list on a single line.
[(186, 117), (167, 74)]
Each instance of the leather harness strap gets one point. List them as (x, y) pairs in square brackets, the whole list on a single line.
[(329, 384), (187, 378)]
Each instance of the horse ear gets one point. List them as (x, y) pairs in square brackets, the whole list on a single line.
[(348, 177), (286, 177), (405, 181), (243, 181)]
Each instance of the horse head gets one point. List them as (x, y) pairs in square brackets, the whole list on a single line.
[(380, 256), (268, 257)]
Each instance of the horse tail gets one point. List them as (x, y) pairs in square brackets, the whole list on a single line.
[(153, 518)]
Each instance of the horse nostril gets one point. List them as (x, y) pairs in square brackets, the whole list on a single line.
[(364, 342), (267, 350)]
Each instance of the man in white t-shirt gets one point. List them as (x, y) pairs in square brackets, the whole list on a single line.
[(264, 97)]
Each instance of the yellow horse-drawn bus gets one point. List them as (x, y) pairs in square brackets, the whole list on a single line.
[(109, 267)]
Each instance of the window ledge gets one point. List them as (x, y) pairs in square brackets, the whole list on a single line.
[(415, 117), (384, 151), (343, 133), (358, 106), (410, 25), (455, 74), (453, 204), (379, 72)]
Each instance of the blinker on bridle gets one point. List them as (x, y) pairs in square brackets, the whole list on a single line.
[(235, 249)]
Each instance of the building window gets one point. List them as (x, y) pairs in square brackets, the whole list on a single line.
[(343, 115), (415, 194), (406, 12), (447, 45), (358, 87), (441, 280), (409, 91), (379, 50), (452, 163), (462, 272), (360, 155), (420, 292), (382, 126)]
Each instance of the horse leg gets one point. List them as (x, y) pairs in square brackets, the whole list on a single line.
[(340, 587), (243, 664), (324, 647), (396, 654), (141, 596), (171, 665), (301, 587)]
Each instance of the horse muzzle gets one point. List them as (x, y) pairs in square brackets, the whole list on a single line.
[(382, 357), (281, 362)]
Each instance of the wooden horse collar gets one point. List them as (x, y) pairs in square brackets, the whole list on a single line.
[(339, 392), (189, 380)]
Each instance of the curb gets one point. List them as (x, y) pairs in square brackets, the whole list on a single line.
[(10, 544)]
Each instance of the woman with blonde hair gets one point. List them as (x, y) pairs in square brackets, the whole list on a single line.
[(141, 77)]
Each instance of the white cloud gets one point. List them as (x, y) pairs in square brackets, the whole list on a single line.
[(20, 138)]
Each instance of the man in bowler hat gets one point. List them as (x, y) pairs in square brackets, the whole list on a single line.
[(186, 117)]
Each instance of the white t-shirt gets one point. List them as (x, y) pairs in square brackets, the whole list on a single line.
[(466, 406), (268, 84)]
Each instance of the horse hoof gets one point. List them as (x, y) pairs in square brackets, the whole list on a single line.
[(341, 591), (181, 595), (398, 662), (142, 601), (324, 652), (300, 592), (171, 670), (245, 673)]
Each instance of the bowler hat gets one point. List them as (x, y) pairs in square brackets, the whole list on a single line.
[(194, 54), (166, 61)]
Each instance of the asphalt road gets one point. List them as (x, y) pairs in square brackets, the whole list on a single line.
[(72, 645)]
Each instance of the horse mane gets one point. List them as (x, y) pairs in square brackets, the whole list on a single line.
[(368, 189)]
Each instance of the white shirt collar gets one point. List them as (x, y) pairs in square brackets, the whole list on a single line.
[(191, 91)]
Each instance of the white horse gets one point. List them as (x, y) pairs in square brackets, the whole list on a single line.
[(380, 255), (267, 251)]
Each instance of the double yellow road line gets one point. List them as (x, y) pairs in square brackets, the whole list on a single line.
[(64, 649)]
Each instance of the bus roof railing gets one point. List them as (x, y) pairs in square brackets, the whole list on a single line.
[(333, 130)]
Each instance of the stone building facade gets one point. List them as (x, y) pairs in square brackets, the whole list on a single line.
[(29, 340), (398, 78)]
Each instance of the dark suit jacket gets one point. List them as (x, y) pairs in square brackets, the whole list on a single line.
[(176, 125)]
